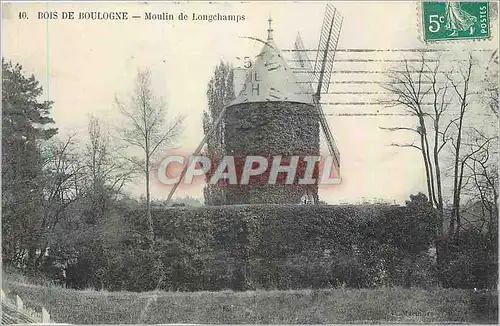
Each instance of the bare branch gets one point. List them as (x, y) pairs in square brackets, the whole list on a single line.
[(405, 145), (399, 129)]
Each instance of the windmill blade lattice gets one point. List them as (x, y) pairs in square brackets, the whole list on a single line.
[(303, 61), (330, 33), (332, 146)]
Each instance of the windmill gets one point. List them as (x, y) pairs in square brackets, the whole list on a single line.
[(319, 76), (317, 83)]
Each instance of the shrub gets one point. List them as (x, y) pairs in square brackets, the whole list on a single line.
[(266, 246), (244, 247), (472, 262)]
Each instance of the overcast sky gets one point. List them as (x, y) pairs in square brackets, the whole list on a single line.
[(82, 65)]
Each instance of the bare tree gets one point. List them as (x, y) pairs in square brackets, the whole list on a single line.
[(481, 166), (106, 172), (481, 179), (427, 91), (491, 83), (64, 177), (461, 89), (148, 130), (421, 93)]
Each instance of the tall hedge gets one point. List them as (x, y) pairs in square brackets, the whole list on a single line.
[(273, 247)]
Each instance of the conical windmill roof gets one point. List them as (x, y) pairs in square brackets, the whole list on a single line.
[(270, 79)]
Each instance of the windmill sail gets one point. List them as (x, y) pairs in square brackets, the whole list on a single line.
[(197, 152), (332, 146), (303, 64), (330, 32)]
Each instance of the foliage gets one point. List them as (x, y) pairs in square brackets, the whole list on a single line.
[(220, 92), (25, 124), (472, 261), (269, 129), (395, 242), (265, 247), (179, 201)]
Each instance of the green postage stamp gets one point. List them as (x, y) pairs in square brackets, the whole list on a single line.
[(455, 21)]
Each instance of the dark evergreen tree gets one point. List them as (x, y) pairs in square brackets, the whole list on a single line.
[(25, 125)]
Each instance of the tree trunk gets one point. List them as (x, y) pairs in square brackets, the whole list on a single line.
[(148, 205), (432, 195), (148, 190), (457, 172), (426, 165)]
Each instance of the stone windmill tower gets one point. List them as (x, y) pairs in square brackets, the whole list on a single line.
[(277, 113), (273, 114)]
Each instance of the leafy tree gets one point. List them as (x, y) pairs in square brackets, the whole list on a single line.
[(220, 92), (25, 125)]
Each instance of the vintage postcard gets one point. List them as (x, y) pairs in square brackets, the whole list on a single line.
[(250, 162)]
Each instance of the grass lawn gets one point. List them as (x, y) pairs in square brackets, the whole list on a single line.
[(382, 305)]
